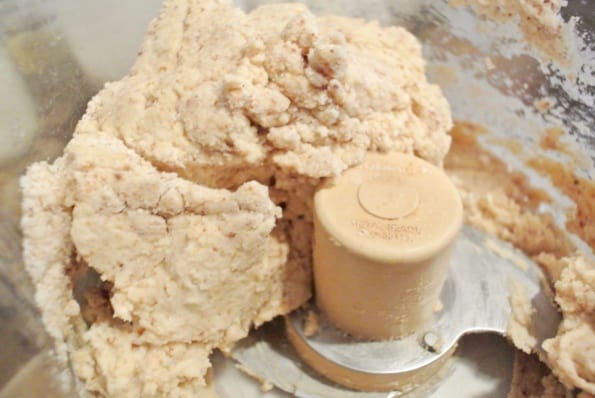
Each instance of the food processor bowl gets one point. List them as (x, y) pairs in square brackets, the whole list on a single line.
[(55, 54)]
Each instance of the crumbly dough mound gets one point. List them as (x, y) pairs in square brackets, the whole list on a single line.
[(187, 266), (213, 86), (170, 248), (112, 363), (135, 259), (572, 352)]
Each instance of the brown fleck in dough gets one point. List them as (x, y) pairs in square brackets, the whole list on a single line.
[(231, 101)]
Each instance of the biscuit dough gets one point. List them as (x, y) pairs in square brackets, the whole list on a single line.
[(572, 352), (179, 216), (144, 232), (159, 236)]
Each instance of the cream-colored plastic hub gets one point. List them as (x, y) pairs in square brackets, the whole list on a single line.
[(382, 242)]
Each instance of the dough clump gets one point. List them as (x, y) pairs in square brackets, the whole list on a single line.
[(179, 216), (140, 274), (571, 354)]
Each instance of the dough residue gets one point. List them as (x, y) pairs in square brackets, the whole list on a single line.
[(502, 203), (311, 324), (540, 22), (519, 325)]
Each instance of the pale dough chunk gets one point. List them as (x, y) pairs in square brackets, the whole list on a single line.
[(311, 95), (571, 354), (575, 290), (170, 248), (187, 266)]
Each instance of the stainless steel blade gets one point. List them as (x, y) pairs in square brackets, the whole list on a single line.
[(474, 299)]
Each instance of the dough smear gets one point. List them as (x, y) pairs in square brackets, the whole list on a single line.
[(502, 203)]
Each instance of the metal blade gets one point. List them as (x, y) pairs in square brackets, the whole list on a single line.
[(475, 299)]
